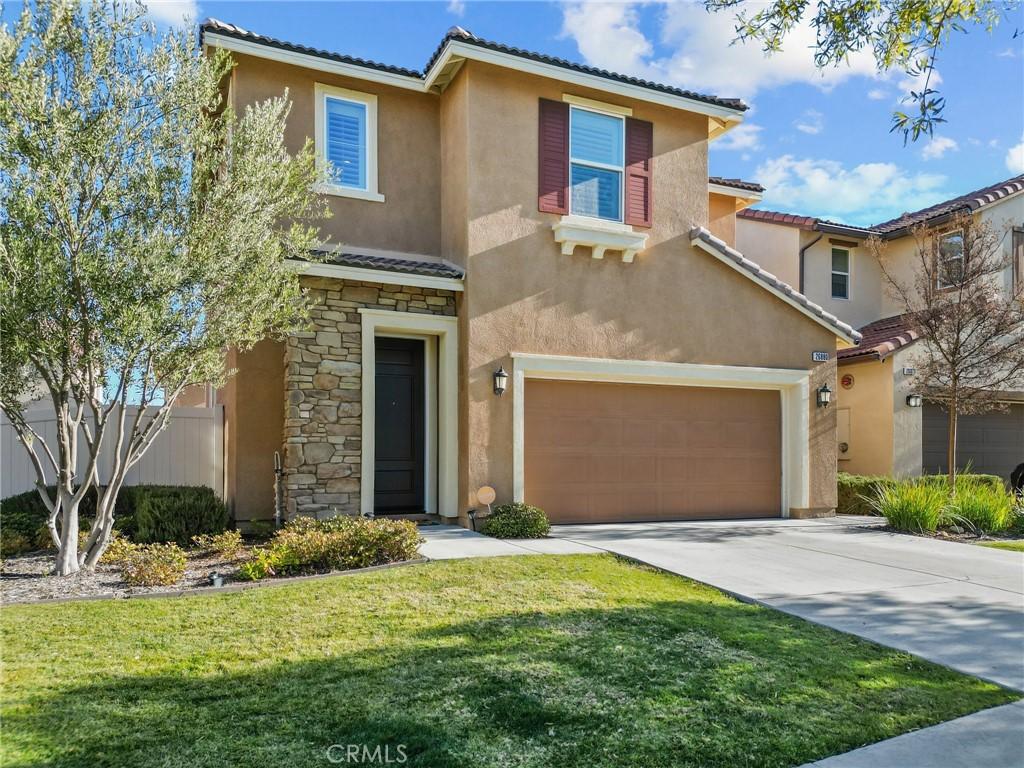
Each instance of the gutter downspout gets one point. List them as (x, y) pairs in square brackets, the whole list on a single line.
[(802, 251)]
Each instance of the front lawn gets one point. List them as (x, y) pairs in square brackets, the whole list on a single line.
[(1014, 545), (529, 661)]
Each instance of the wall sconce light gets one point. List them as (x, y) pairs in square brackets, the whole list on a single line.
[(500, 382), (914, 400), (824, 396)]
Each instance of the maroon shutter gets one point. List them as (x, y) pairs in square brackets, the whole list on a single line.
[(553, 171), (639, 151)]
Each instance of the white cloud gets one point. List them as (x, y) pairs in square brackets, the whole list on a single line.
[(937, 147), (1007, 53), (173, 12), (877, 94), (811, 121), (864, 194), (458, 7), (1015, 157), (745, 136), (703, 56)]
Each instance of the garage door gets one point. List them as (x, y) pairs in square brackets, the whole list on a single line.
[(992, 443), (598, 452)]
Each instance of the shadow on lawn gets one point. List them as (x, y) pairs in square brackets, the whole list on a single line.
[(666, 684)]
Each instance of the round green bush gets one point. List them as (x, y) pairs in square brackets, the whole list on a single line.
[(517, 521)]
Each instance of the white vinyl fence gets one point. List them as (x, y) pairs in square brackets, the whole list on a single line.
[(189, 451)]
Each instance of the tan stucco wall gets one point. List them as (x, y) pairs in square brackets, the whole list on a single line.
[(253, 426), (870, 406), (774, 247), (722, 217), (866, 281), (907, 429), (409, 161), (673, 304)]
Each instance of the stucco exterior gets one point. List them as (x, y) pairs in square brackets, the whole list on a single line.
[(775, 248), (722, 218)]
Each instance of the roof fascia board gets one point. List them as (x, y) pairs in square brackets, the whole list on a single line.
[(839, 333), (839, 229), (743, 194), (309, 61), (510, 61), (380, 276)]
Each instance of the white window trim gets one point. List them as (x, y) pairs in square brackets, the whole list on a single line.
[(592, 107), (441, 470), (940, 262), (793, 387), (848, 273), (322, 93)]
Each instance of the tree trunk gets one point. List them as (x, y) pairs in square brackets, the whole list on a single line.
[(67, 554), (951, 446)]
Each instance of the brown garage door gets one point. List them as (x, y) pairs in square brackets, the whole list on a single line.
[(614, 452)]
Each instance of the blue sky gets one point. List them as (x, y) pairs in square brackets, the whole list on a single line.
[(820, 143)]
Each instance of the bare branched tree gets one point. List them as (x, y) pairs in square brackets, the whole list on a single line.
[(969, 315)]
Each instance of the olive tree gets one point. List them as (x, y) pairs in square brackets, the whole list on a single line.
[(144, 230), (955, 295)]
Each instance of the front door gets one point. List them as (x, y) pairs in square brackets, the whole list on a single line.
[(400, 422)]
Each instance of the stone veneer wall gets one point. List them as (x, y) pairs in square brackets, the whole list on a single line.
[(323, 391)]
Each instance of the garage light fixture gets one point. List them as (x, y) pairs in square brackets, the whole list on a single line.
[(914, 400), (824, 396), (500, 381)]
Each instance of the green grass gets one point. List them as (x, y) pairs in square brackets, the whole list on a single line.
[(1013, 546), (530, 661)]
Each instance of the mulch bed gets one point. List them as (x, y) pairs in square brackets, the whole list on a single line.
[(29, 578)]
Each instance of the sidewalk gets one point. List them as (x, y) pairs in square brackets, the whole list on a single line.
[(446, 542)]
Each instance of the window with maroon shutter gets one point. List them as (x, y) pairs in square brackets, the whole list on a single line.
[(639, 152), (553, 170)]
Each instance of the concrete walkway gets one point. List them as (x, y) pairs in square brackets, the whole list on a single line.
[(952, 603)]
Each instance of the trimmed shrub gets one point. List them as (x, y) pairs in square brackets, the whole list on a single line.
[(227, 544), (23, 521), (517, 521), (980, 506), (912, 505), (154, 565), (118, 550), (306, 545), (857, 493), (163, 513)]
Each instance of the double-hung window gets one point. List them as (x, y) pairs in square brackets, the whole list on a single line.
[(1017, 247), (596, 164), (949, 267), (840, 273), (346, 141)]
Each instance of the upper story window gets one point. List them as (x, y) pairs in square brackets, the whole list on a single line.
[(949, 267), (1017, 246), (840, 273), (596, 164), (346, 141)]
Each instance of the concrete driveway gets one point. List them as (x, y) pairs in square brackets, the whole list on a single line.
[(955, 604)]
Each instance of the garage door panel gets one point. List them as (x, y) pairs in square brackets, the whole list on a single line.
[(647, 452), (989, 443)]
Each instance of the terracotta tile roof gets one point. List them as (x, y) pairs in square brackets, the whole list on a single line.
[(881, 339), (773, 284), (897, 227), (748, 186), (407, 266), (458, 33), (972, 201), (777, 217)]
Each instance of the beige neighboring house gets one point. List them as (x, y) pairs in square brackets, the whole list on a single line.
[(879, 430), (530, 283)]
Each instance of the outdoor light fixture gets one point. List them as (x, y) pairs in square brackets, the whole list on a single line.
[(915, 400), (500, 381), (824, 396)]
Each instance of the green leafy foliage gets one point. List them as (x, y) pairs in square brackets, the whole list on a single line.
[(154, 565), (857, 493), (119, 550), (23, 521), (517, 521), (306, 545), (980, 507), (161, 513), (227, 544), (912, 505), (981, 504)]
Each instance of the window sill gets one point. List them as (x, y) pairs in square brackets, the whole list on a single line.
[(599, 236), (358, 194)]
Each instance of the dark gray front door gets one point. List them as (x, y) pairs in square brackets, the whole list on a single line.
[(990, 443), (399, 426)]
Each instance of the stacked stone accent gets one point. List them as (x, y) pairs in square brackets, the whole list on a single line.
[(323, 391)]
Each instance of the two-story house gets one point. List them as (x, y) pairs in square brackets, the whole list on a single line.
[(884, 426), (529, 283)]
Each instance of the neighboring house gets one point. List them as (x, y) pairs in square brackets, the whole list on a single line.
[(508, 213), (878, 431)]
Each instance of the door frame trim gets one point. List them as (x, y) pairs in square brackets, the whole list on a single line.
[(445, 470), (793, 387)]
